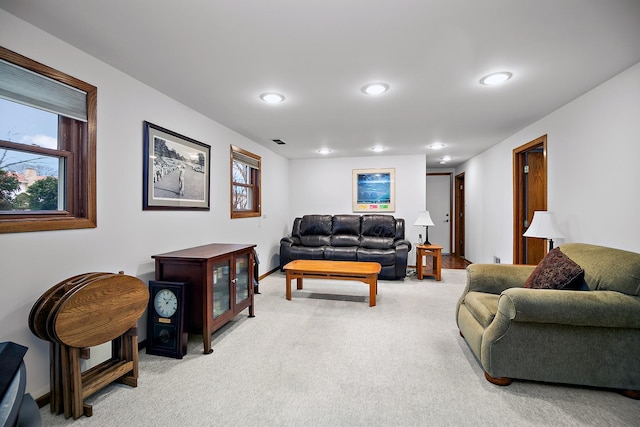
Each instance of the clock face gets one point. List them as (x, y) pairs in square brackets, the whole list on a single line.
[(165, 303)]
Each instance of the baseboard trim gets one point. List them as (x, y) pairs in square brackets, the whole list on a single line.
[(268, 273)]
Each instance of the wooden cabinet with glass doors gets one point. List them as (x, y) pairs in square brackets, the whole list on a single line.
[(220, 283)]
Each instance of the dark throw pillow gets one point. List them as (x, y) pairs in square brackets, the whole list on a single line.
[(556, 271)]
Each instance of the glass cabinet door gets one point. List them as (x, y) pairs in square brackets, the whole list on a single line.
[(221, 287), (243, 277)]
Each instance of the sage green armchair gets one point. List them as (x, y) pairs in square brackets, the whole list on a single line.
[(585, 337)]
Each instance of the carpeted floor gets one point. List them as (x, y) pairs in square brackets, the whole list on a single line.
[(326, 358)]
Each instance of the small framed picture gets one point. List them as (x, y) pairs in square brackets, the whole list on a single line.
[(374, 190), (176, 171)]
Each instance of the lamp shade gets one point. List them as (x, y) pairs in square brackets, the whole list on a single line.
[(424, 219), (543, 225)]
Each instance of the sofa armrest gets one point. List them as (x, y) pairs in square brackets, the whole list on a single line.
[(495, 278), (399, 242), (291, 241), (285, 249), (607, 309)]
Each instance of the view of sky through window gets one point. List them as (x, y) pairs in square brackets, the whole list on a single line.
[(30, 126)]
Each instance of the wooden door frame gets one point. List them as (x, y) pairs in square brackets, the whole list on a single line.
[(519, 215), (450, 175), (459, 226)]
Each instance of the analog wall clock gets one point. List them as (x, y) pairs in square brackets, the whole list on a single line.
[(166, 334)]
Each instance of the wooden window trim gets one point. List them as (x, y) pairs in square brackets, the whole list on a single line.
[(81, 141), (255, 186)]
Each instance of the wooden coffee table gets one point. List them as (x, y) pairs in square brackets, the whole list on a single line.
[(366, 272)]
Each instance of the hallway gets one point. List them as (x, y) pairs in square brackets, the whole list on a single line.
[(454, 262)]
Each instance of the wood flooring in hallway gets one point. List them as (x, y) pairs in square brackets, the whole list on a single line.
[(454, 262)]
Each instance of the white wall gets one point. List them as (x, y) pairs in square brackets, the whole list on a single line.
[(591, 189), (324, 186), (126, 236), (593, 146)]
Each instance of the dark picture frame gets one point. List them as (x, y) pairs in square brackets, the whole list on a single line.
[(374, 190), (176, 171)]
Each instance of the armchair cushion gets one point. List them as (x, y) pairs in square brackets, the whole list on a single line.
[(556, 271)]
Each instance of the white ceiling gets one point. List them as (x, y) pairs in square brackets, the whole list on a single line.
[(218, 56)]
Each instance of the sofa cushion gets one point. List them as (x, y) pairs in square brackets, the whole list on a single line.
[(344, 240), (345, 253), (382, 256), (315, 230), (482, 306), (345, 230), (306, 252), (315, 225), (346, 224), (376, 242), (379, 226), (315, 240), (556, 271)]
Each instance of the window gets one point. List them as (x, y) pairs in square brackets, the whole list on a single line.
[(245, 184), (47, 148)]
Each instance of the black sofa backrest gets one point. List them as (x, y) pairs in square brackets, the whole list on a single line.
[(372, 231), (315, 230), (345, 230), (377, 231)]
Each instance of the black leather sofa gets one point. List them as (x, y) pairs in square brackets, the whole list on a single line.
[(373, 238)]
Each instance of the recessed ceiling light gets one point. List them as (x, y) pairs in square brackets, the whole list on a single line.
[(272, 97), (496, 78), (437, 146), (375, 88), (446, 158), (378, 149), (325, 151)]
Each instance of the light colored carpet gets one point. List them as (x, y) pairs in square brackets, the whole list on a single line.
[(326, 358)]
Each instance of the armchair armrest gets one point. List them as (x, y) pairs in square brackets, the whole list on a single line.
[(495, 278), (607, 309)]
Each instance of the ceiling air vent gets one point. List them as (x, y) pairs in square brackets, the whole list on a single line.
[(279, 141)]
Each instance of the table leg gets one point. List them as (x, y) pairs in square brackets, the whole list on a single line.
[(288, 293), (373, 290), (299, 282), (437, 260), (76, 382), (66, 381), (419, 263)]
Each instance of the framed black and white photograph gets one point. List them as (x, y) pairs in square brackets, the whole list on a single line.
[(374, 190), (176, 171)]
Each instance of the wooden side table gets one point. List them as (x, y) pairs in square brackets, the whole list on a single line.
[(434, 251)]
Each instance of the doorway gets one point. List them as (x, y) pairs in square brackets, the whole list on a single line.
[(459, 226), (439, 206), (529, 195)]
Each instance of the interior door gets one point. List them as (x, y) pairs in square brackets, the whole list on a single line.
[(459, 221), (529, 195), (439, 207), (535, 200)]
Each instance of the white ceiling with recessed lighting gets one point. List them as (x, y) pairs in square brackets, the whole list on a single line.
[(218, 57)]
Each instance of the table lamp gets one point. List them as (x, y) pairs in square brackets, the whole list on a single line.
[(544, 226), (424, 219)]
